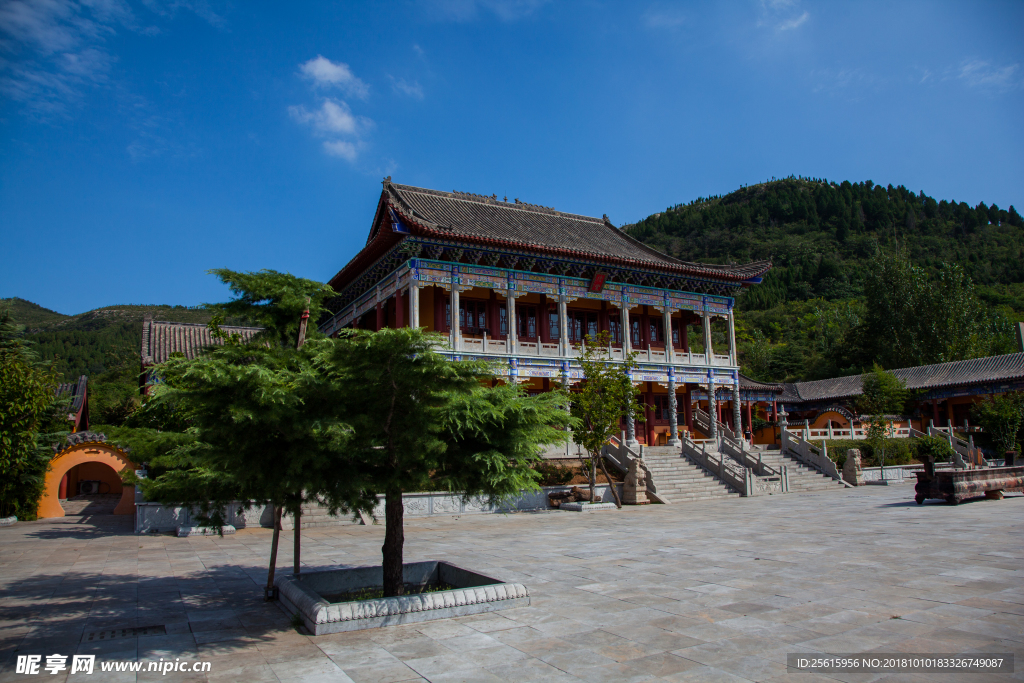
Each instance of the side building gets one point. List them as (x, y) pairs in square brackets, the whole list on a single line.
[(522, 285)]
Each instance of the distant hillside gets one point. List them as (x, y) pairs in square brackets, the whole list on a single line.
[(89, 343), (821, 236), (33, 316)]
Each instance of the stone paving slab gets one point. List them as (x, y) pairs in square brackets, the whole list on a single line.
[(716, 590)]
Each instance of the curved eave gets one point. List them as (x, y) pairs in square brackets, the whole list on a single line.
[(429, 229)]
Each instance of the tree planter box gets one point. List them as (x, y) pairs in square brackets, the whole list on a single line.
[(587, 507), (472, 594), (955, 486)]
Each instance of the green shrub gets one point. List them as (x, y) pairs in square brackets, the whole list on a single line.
[(897, 451), (553, 474)]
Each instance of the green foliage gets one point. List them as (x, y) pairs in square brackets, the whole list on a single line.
[(935, 447), (1001, 417), (807, 320), (605, 395), (883, 394), (274, 301), (416, 416), (30, 416), (876, 453), (553, 474)]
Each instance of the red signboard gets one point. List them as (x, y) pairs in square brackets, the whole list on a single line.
[(597, 284)]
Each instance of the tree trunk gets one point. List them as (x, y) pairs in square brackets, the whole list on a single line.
[(278, 510), (592, 477), (611, 485), (394, 539), (297, 549)]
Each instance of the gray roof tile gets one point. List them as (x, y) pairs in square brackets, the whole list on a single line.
[(160, 339)]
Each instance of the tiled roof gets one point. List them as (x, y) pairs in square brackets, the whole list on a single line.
[(74, 389), (160, 339), (754, 385), (1005, 368), (488, 220)]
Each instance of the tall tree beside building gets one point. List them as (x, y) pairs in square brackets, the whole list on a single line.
[(260, 429), (419, 420), (605, 396), (1002, 417)]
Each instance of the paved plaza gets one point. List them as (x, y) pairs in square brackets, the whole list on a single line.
[(709, 591)]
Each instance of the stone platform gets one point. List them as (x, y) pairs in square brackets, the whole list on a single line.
[(717, 590)]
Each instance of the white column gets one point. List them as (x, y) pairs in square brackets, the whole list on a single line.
[(631, 441), (563, 327), (666, 325), (734, 358), (708, 351), (713, 410), (456, 332), (414, 303), (737, 412), (624, 320), (673, 417), (511, 342)]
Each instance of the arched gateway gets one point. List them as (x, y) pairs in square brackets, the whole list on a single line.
[(79, 453)]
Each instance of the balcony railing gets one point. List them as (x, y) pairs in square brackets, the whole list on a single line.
[(486, 345)]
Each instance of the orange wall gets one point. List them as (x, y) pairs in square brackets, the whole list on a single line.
[(93, 470)]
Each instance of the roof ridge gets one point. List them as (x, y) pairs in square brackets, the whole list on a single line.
[(493, 201)]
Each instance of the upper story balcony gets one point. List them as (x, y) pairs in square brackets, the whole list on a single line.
[(550, 315)]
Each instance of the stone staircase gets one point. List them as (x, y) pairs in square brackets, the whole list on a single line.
[(678, 480), (801, 477)]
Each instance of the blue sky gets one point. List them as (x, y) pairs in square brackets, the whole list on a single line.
[(142, 143)]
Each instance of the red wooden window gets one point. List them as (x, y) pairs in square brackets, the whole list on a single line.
[(526, 317), (582, 323)]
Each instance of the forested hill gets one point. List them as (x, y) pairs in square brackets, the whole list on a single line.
[(90, 343), (821, 236), (834, 246)]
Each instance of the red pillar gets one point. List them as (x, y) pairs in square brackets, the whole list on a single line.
[(542, 322), (935, 411), (380, 316), (399, 310), (684, 328), (750, 418), (688, 409), (775, 411), (649, 400)]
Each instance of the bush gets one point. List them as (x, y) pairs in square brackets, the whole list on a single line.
[(553, 474), (897, 451)]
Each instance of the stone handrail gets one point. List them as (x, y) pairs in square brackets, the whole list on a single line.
[(703, 421), (810, 455), (620, 455), (762, 478), (961, 449), (747, 459), (728, 471)]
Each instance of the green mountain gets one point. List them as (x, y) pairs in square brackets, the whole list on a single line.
[(823, 238), (91, 343)]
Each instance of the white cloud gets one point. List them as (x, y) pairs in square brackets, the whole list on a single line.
[(334, 120), (56, 49), (341, 148), (795, 22), (782, 15), (466, 10), (663, 18), (404, 87), (333, 116), (326, 74), (982, 74)]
